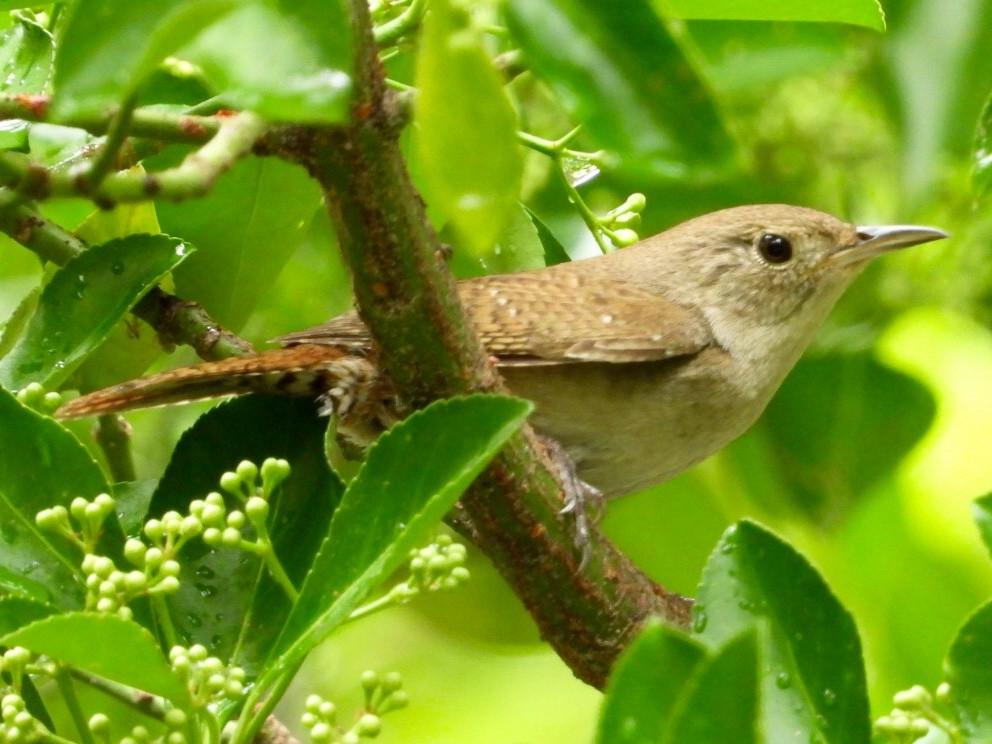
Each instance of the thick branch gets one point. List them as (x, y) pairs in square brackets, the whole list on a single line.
[(406, 296)]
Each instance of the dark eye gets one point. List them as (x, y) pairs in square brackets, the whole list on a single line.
[(774, 248)]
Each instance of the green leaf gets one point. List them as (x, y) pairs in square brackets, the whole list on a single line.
[(968, 669), (621, 74), (107, 646), (42, 466), (823, 415), (813, 680), (26, 56), (109, 47), (245, 230), (722, 704), (554, 251), (83, 302), (227, 601), (304, 74), (16, 612), (858, 12), (132, 344), (646, 685), (410, 479), (981, 166), (981, 510), (465, 135), (518, 248)]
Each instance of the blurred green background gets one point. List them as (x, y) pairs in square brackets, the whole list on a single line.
[(868, 459)]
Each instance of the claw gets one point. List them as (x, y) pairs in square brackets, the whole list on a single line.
[(586, 502)]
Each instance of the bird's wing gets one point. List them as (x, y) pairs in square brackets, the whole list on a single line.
[(541, 318)]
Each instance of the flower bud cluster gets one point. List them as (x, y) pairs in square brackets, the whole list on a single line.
[(620, 225), (382, 695), (913, 715), (224, 528), (33, 396), (208, 679), (17, 725), (86, 523), (440, 565)]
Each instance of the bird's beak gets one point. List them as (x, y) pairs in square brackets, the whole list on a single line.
[(874, 241)]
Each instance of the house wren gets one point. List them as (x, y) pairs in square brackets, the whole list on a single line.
[(642, 362)]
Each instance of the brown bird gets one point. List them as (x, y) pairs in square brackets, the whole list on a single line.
[(642, 362)]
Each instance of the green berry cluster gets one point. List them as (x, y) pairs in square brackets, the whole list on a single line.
[(208, 679), (382, 695), (223, 527), (34, 397), (99, 725), (17, 725), (620, 225), (913, 715), (440, 565)]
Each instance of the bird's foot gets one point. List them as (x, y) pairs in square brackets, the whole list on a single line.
[(585, 502)]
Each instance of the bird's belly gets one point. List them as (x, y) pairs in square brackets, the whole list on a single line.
[(631, 428)]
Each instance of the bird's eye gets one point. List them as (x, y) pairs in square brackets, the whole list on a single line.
[(774, 248)]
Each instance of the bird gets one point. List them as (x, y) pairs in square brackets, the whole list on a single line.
[(641, 362)]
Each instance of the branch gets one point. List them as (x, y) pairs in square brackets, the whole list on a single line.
[(406, 293), (195, 176), (153, 124), (176, 321)]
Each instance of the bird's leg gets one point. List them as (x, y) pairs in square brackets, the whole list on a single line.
[(584, 501)]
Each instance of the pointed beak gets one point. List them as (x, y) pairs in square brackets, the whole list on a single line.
[(874, 241)]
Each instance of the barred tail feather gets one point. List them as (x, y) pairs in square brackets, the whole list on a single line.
[(309, 370)]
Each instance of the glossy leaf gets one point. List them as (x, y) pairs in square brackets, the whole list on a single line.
[(968, 669), (981, 510), (858, 12), (303, 74), (227, 600), (824, 415), (402, 491), (26, 57), (107, 646), (622, 75), (109, 47), (981, 167), (813, 680), (16, 612), (465, 133), (245, 230), (132, 344), (722, 704), (83, 302), (554, 251), (42, 466), (647, 684)]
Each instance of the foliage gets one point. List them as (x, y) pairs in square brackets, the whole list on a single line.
[(638, 114)]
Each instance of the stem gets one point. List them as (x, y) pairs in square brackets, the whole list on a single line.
[(113, 435), (141, 701), (153, 124), (116, 135), (255, 713), (195, 176), (64, 681), (161, 611), (404, 24)]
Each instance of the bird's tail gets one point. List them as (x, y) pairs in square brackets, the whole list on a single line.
[(305, 370)]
